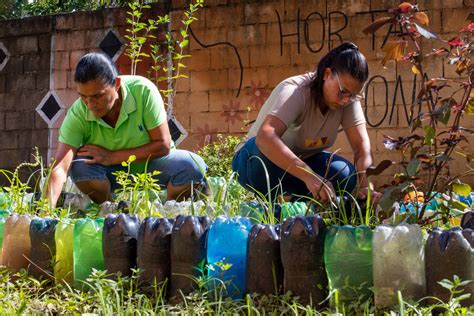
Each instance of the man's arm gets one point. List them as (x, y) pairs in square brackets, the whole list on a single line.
[(64, 155), (160, 143)]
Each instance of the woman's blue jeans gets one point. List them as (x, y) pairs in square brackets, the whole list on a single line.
[(249, 163)]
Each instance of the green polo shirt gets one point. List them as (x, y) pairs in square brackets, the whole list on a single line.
[(142, 110)]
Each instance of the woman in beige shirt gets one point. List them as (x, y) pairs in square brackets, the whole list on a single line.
[(299, 121)]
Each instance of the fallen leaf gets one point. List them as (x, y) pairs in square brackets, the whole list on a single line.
[(415, 70)]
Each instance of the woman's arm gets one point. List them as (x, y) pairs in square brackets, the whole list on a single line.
[(360, 143), (269, 142)]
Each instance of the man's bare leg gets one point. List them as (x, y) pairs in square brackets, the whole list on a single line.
[(97, 190)]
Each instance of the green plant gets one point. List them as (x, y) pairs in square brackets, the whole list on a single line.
[(427, 150), (137, 189), (218, 155), (166, 55)]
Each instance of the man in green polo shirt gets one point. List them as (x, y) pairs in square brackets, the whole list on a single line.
[(114, 118)]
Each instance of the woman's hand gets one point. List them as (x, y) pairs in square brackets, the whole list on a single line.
[(374, 195), (321, 189), (96, 153)]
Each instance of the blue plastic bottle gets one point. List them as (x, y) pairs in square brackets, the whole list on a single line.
[(227, 253)]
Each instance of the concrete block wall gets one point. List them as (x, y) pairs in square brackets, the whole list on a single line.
[(240, 50)]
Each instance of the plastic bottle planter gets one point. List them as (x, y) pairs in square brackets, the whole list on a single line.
[(302, 250), (218, 186), (348, 260), (43, 247), (3, 219), (153, 251), (64, 239), (293, 209), (467, 220), (398, 264), (119, 243), (188, 252), (227, 254), (16, 248), (87, 249), (253, 210), (449, 253), (264, 268)]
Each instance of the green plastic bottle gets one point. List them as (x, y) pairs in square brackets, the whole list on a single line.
[(289, 209), (3, 219), (64, 265), (348, 260), (87, 249)]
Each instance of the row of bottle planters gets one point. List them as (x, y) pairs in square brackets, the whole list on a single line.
[(301, 255)]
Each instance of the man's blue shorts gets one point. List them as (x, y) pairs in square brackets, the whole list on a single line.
[(179, 167)]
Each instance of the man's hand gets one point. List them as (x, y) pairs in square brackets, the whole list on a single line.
[(320, 188), (96, 153)]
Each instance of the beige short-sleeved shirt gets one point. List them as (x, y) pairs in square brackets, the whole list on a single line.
[(309, 131)]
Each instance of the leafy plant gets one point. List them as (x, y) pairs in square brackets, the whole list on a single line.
[(137, 189), (428, 149), (166, 55)]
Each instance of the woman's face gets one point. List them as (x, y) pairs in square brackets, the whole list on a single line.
[(340, 89), (98, 97)]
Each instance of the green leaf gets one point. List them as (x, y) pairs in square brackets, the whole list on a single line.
[(429, 135), (446, 284), (184, 43), (184, 33), (462, 189), (413, 166)]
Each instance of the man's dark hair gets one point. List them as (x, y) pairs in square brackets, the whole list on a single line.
[(96, 66), (344, 59)]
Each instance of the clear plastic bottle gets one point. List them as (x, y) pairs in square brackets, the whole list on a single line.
[(227, 253), (398, 264), (16, 248)]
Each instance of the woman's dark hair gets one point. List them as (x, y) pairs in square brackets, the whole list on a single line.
[(95, 66), (344, 59)]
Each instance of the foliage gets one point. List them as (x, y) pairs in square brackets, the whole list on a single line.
[(166, 55), (118, 295), (12, 9), (218, 155), (137, 189), (428, 148)]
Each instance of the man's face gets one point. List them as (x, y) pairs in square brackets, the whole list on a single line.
[(98, 97)]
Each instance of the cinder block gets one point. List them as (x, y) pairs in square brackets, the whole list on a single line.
[(269, 55), (3, 84), (208, 80), (21, 83), (25, 45), (214, 121), (89, 20), (19, 120), (248, 35), (199, 102), (218, 98), (200, 59), (454, 19), (262, 12), (64, 21), (224, 16)]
